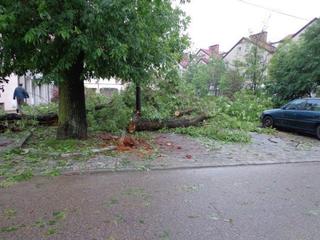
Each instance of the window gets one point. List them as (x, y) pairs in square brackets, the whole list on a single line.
[(313, 105), (298, 104), (108, 91)]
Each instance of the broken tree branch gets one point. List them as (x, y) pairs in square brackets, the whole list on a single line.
[(183, 112), (154, 125)]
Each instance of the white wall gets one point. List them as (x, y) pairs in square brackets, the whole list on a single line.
[(99, 84), (239, 54), (37, 94), (241, 50), (43, 94), (6, 97)]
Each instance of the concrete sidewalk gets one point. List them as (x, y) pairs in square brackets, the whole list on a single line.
[(13, 141)]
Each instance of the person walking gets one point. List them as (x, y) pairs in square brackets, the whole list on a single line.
[(20, 94)]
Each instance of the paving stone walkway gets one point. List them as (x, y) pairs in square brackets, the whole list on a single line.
[(178, 151)]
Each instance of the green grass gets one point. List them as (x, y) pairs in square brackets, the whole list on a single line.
[(8, 229), (41, 154)]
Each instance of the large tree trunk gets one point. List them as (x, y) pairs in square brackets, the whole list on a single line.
[(72, 107)]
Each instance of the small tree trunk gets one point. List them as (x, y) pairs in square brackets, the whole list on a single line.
[(138, 99), (72, 109), (154, 125)]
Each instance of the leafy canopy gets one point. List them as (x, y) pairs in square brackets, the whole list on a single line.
[(120, 38), (255, 67), (295, 68), (206, 77)]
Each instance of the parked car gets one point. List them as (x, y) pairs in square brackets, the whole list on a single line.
[(301, 115)]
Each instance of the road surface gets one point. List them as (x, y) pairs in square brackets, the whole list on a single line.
[(275, 202)]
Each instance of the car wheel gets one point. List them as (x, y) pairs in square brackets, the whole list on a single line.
[(318, 132), (267, 122)]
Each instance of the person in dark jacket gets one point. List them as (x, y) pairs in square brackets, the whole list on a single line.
[(20, 94)]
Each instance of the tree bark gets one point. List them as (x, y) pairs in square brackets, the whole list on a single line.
[(154, 125), (72, 108), (138, 99)]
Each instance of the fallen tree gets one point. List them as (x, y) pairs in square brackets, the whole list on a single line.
[(48, 118), (139, 124), (183, 112)]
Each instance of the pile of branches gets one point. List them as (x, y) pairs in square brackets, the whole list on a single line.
[(178, 121)]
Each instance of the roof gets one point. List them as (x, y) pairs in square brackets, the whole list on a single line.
[(266, 46), (291, 36), (208, 52), (304, 27)]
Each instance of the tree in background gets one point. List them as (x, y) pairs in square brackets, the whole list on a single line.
[(69, 41), (294, 70), (232, 83), (255, 66), (206, 78)]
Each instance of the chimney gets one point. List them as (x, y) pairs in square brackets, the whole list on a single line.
[(214, 49), (260, 37)]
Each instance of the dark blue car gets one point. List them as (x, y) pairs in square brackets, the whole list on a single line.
[(302, 115)]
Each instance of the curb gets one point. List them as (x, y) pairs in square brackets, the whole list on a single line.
[(18, 143), (106, 170)]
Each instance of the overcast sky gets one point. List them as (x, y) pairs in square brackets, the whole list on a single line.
[(224, 22)]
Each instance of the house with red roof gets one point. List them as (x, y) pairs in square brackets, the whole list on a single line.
[(202, 56)]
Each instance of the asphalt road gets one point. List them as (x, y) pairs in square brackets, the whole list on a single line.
[(275, 202)]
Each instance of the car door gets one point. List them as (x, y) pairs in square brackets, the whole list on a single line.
[(309, 117), (290, 113)]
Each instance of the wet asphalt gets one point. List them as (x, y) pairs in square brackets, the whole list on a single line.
[(275, 202)]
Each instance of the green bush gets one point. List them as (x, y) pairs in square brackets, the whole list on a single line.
[(231, 121), (41, 109), (162, 100), (2, 112), (247, 106), (113, 118), (95, 99)]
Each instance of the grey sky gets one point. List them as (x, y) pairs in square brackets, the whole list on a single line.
[(224, 22)]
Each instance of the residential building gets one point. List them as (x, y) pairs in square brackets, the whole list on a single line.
[(241, 49), (202, 56), (104, 86), (297, 35), (38, 93)]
